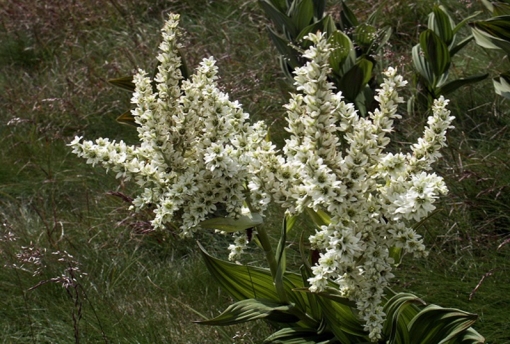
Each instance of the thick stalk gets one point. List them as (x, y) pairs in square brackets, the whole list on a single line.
[(268, 250)]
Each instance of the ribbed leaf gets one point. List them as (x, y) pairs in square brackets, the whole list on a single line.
[(347, 18), (500, 8), (465, 21), (435, 52), (342, 54), (247, 282), (356, 79), (318, 8), (326, 25), (441, 23), (455, 84), (437, 325), (251, 309), (281, 262), (400, 309), (421, 65), (299, 335), (319, 217), (493, 33), (365, 34), (230, 225), (301, 13)]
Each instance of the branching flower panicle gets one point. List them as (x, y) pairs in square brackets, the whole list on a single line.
[(335, 161), (196, 149)]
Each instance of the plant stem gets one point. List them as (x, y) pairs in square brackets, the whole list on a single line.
[(268, 250)]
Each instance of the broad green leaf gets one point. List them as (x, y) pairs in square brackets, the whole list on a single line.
[(435, 52), (284, 48), (342, 54), (331, 293), (318, 8), (315, 310), (281, 5), (441, 23), (247, 282), (126, 83), (400, 309), (127, 118), (280, 19), (301, 13), (228, 224), (326, 25), (298, 335), (422, 66), (396, 253), (353, 82), (364, 35), (455, 84), (341, 321), (251, 309), (438, 325)]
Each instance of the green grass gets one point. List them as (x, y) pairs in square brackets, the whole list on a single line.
[(140, 287)]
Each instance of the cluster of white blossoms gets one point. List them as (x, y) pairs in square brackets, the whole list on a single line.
[(196, 146), (199, 158), (335, 161)]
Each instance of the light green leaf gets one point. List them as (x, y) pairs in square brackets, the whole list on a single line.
[(435, 51), (438, 325), (228, 224), (298, 335), (342, 55), (493, 33), (421, 65), (281, 262), (455, 84), (251, 309)]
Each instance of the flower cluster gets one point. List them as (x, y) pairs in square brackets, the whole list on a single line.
[(335, 162), (196, 149)]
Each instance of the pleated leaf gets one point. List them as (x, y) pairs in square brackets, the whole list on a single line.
[(298, 335), (435, 51)]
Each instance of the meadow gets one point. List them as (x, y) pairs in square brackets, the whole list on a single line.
[(77, 265)]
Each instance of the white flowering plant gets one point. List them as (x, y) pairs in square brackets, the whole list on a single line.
[(202, 165)]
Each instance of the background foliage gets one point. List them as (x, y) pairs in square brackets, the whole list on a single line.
[(134, 285)]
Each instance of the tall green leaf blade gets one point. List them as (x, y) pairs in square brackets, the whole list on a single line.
[(318, 8), (251, 309), (455, 84), (399, 312), (281, 262), (325, 25), (127, 118), (435, 51), (493, 33), (341, 321), (464, 21), (283, 46), (347, 18), (455, 49)]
